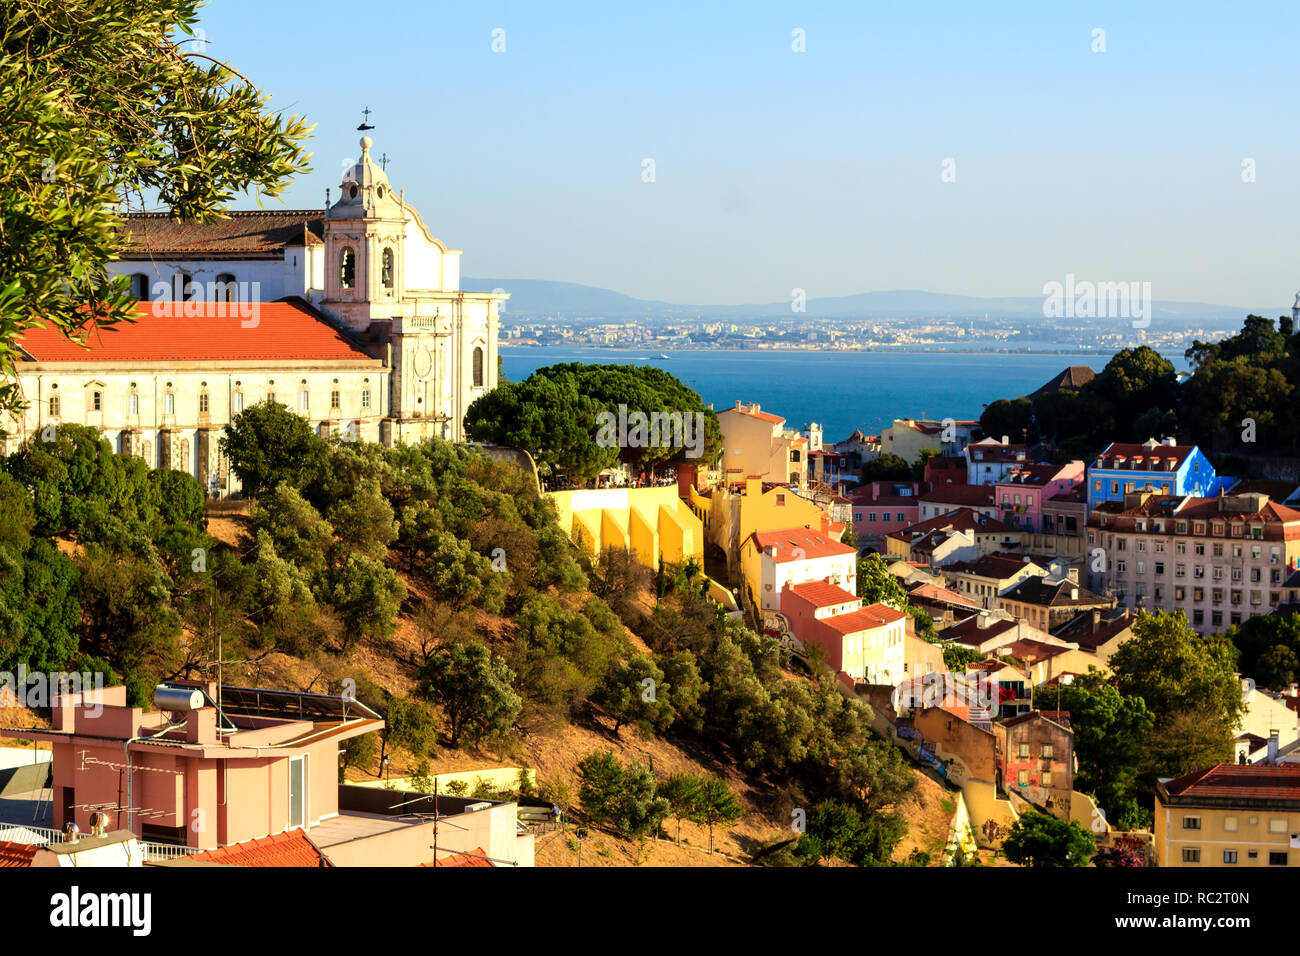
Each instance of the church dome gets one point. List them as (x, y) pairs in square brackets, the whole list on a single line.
[(365, 192)]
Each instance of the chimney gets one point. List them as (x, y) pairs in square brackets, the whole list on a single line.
[(1096, 619), (1272, 747), (1293, 690), (1006, 439), (1072, 575), (201, 726), (826, 524), (982, 621)]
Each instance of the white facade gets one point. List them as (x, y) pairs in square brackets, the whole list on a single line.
[(424, 350), (838, 569)]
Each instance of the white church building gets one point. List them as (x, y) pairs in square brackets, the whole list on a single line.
[(352, 316)]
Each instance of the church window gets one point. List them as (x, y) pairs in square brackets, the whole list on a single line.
[(169, 404), (54, 405), (334, 398), (239, 402), (133, 404), (203, 403), (304, 400), (478, 367), (96, 401), (347, 268), (387, 275), (365, 398), (140, 286)]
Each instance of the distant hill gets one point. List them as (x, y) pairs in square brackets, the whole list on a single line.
[(541, 298)]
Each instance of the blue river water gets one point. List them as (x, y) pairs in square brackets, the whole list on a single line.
[(839, 390)]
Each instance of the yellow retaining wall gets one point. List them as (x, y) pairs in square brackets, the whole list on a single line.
[(653, 522)]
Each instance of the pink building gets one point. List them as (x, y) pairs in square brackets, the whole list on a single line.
[(881, 507), (212, 768), (1021, 493), (865, 643)]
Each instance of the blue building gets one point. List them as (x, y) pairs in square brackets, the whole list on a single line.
[(1163, 468)]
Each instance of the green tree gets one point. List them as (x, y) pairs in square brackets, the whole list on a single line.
[(1172, 668), (409, 724), (1257, 636), (875, 774), (842, 831), (17, 515), (367, 596), (716, 805), (296, 529), (475, 690), (877, 585), (637, 693), (886, 467), (102, 104), (1188, 740), (1110, 737), (620, 796), (1039, 840), (681, 791), (268, 445)]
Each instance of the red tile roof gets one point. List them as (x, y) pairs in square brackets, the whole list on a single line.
[(970, 633), (16, 854), (287, 330), (759, 414), (1030, 651), (807, 542), (1234, 781), (280, 849), (1128, 451), (932, 592), (994, 566), (823, 593), (863, 619), (475, 857), (245, 234)]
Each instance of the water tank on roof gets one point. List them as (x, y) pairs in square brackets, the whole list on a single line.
[(177, 698)]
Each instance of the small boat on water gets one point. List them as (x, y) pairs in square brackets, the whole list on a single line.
[(661, 356)]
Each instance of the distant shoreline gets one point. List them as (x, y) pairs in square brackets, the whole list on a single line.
[(879, 350)]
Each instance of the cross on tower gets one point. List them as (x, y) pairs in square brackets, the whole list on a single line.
[(365, 122), (383, 162)]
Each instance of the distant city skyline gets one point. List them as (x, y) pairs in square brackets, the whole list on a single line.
[(1169, 158)]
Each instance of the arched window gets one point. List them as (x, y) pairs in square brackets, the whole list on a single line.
[(227, 288), (347, 269), (184, 287), (387, 270), (140, 286), (478, 366)]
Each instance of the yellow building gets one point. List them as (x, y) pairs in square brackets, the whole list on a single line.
[(1229, 816), (734, 517), (755, 444), (654, 523)]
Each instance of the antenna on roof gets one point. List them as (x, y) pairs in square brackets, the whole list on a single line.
[(364, 123)]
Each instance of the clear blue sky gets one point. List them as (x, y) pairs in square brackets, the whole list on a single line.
[(818, 170)]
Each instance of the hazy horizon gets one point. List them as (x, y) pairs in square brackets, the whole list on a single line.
[(1168, 158)]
